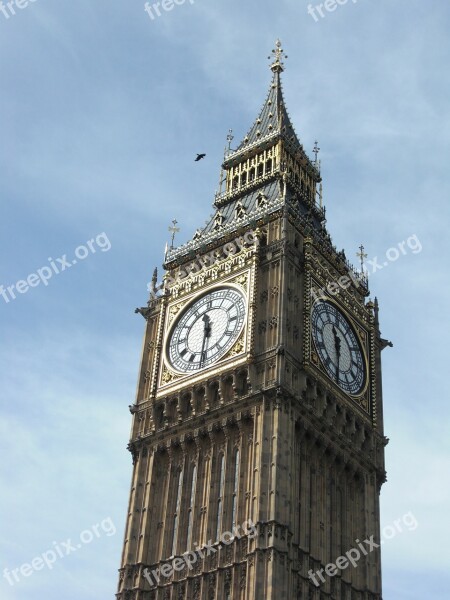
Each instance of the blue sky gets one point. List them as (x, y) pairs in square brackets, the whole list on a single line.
[(101, 113)]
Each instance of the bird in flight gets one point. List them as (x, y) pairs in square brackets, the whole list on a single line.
[(199, 157)]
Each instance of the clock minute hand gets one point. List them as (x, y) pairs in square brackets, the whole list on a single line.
[(206, 334), (337, 345)]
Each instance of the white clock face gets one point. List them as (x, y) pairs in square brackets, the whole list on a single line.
[(206, 329), (338, 347)]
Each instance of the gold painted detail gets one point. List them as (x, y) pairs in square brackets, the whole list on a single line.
[(362, 335), (168, 376), (238, 348), (173, 311), (242, 280), (222, 267)]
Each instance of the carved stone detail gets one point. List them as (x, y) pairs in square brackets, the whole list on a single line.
[(238, 348), (262, 327), (273, 323), (168, 376)]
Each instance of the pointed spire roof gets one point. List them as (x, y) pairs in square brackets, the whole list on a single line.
[(273, 119), (255, 198)]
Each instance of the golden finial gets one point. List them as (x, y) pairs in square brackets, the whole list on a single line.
[(278, 55)]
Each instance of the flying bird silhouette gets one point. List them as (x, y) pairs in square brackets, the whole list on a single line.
[(199, 157)]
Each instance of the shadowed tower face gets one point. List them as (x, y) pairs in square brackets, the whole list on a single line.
[(257, 436)]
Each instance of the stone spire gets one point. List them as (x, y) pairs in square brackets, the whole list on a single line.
[(273, 120)]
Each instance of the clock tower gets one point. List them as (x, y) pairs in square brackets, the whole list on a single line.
[(257, 436)]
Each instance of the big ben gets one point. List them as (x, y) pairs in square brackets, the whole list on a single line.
[(257, 436)]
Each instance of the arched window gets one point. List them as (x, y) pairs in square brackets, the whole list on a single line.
[(176, 516), (260, 169), (252, 174), (269, 166), (220, 495), (237, 456), (191, 508), (244, 178)]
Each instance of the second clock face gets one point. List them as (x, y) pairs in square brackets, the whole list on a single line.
[(206, 329), (338, 347)]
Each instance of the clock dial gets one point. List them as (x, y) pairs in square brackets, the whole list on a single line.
[(338, 347), (206, 329)]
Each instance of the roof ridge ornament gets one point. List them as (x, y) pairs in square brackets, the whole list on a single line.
[(230, 138), (278, 54), (173, 230), (362, 257), (316, 151)]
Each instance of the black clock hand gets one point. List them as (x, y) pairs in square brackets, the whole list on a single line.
[(206, 334), (337, 345)]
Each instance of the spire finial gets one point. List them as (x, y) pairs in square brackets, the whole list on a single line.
[(316, 151), (362, 256), (230, 138), (173, 230), (278, 54), (226, 154)]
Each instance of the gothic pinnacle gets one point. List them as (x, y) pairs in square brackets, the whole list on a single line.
[(278, 54)]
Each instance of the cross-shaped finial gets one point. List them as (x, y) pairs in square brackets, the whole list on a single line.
[(173, 230), (230, 138), (278, 54), (316, 150), (362, 256)]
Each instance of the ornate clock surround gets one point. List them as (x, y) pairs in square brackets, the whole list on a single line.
[(193, 288), (321, 270)]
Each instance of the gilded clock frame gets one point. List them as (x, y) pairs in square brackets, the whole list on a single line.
[(200, 294), (318, 274), (241, 281), (362, 337)]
